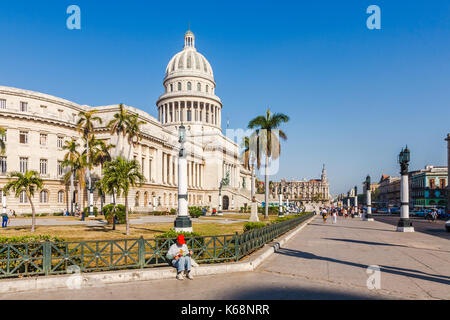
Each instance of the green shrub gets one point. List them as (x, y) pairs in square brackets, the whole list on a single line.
[(195, 212), (273, 210), (86, 211), (58, 214), (173, 211), (30, 238), (120, 213), (253, 225), (245, 209), (173, 234)]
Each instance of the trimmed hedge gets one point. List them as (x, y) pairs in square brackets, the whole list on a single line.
[(253, 225)]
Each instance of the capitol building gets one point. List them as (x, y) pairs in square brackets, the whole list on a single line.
[(37, 126)]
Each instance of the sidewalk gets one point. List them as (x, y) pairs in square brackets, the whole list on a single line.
[(323, 261)]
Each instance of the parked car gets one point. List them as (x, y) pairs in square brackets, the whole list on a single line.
[(382, 210), (447, 226), (395, 210)]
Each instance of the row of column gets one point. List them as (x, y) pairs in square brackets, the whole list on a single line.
[(169, 169), (195, 175), (189, 111)]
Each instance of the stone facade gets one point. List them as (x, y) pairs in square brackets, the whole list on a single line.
[(37, 125)]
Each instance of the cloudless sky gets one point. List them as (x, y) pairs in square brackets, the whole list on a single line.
[(355, 96)]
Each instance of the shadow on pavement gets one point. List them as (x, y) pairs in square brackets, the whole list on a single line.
[(410, 273), (370, 243), (277, 293), (341, 226)]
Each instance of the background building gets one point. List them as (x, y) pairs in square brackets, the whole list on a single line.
[(428, 187), (302, 192)]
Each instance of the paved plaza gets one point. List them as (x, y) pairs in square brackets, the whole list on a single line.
[(323, 261)]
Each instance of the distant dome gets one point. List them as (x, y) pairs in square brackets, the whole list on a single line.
[(189, 62)]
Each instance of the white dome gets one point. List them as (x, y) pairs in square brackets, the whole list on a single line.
[(189, 61)]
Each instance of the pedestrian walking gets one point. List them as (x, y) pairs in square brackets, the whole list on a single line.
[(4, 219), (334, 216)]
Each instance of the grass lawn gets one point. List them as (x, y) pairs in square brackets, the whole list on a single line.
[(76, 233)]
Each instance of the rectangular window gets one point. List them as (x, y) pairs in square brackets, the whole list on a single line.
[(432, 183), (43, 109), (150, 170), (43, 166), (142, 166), (3, 168), (189, 115), (43, 139), (60, 169), (23, 197), (23, 137), (2, 103), (442, 183), (23, 165), (23, 106), (60, 142), (60, 114)]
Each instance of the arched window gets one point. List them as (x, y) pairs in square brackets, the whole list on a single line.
[(60, 196), (179, 86), (189, 86), (43, 196), (199, 87)]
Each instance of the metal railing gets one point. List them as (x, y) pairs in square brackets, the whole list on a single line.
[(52, 258)]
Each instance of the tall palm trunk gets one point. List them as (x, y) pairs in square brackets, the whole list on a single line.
[(126, 213), (33, 211), (266, 186), (71, 191)]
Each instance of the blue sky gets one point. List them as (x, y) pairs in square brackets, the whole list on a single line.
[(355, 96)]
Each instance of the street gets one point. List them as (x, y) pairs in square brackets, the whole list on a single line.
[(436, 228)]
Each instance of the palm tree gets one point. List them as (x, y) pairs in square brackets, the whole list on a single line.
[(29, 182), (133, 131), (270, 143), (70, 159), (119, 124), (2, 143), (100, 157), (85, 126), (124, 174)]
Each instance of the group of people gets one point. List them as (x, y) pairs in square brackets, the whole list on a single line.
[(77, 213), (334, 212)]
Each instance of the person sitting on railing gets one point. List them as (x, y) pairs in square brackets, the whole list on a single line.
[(180, 255)]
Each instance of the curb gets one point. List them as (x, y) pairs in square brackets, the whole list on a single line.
[(83, 280)]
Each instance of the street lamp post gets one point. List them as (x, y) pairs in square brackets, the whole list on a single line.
[(356, 201), (404, 224), (182, 223), (368, 216), (280, 203)]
